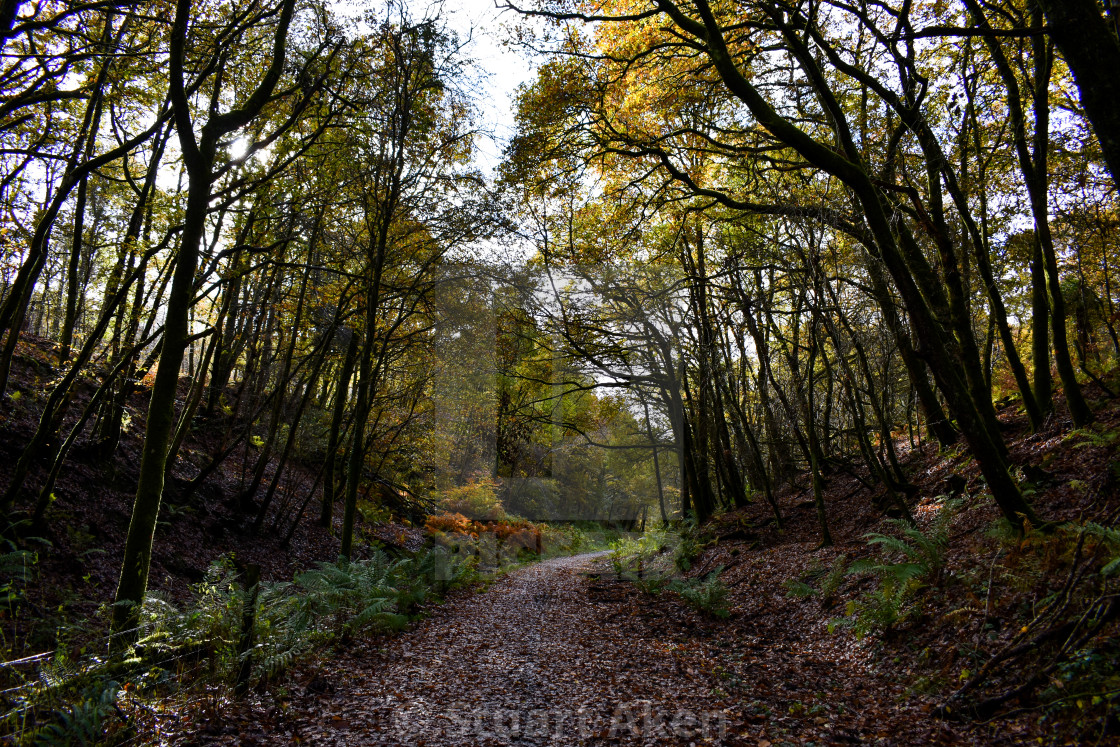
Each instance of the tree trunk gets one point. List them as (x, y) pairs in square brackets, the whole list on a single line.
[(341, 397), (198, 157), (1092, 51)]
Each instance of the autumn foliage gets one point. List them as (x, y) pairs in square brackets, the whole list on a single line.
[(477, 499), (453, 527)]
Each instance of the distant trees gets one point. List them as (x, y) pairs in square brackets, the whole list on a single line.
[(846, 164), (250, 208)]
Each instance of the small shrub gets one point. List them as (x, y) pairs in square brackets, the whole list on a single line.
[(644, 561), (450, 524), (566, 539), (16, 569), (708, 596), (652, 585), (1093, 435), (688, 550), (801, 588), (1108, 539), (209, 623), (1085, 689), (832, 580), (632, 556), (798, 589), (476, 500), (505, 542), (328, 603)]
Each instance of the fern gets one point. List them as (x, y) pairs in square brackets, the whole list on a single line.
[(318, 606), (652, 585), (82, 722), (348, 598), (924, 552), (906, 562), (16, 569), (708, 596), (688, 550), (1109, 539), (1093, 436), (832, 580), (798, 589), (965, 611)]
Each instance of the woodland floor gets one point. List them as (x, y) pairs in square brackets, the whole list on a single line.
[(562, 653)]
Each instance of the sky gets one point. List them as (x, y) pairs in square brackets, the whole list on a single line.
[(497, 68), (502, 69)]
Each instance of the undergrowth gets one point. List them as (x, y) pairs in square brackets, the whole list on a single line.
[(76, 701), (707, 595), (82, 698), (1062, 588), (1037, 627), (907, 562), (830, 581), (652, 562)]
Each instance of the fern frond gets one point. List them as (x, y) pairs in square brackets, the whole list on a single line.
[(963, 611), (798, 589)]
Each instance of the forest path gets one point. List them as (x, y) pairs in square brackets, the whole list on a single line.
[(542, 657), (563, 653)]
